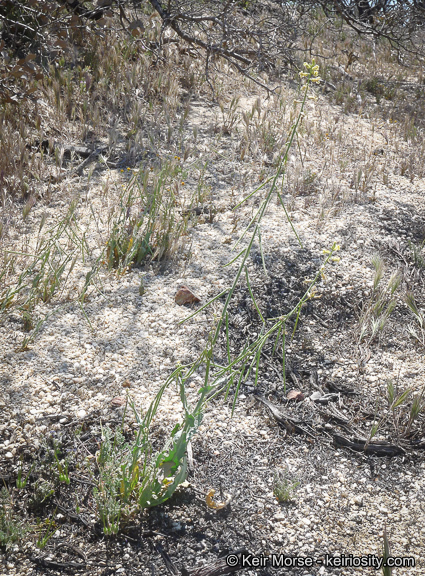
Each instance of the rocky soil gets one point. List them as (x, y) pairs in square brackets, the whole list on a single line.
[(73, 377)]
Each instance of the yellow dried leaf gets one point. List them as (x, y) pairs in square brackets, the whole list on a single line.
[(211, 503)]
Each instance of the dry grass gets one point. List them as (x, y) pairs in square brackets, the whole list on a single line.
[(111, 88), (111, 91)]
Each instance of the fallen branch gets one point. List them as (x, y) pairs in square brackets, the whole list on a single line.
[(218, 568), (290, 424), (371, 448)]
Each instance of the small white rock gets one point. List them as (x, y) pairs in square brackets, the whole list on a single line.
[(358, 500)]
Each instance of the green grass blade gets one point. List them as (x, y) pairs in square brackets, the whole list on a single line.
[(252, 295)]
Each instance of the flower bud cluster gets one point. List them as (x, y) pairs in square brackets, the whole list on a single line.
[(311, 72)]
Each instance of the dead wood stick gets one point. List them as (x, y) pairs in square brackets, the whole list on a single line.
[(218, 568), (371, 448), (52, 565), (288, 423), (293, 376), (169, 564)]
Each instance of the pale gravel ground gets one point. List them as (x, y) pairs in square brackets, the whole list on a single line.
[(73, 371)]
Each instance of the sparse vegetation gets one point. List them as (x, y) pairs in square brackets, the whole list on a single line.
[(416, 330), (284, 487), (386, 553), (132, 477), (46, 531), (403, 409), (153, 217), (383, 300), (417, 254), (12, 528)]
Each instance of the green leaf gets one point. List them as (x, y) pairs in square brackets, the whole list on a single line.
[(402, 398)]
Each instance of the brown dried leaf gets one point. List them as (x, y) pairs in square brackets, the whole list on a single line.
[(296, 395), (117, 402), (185, 296), (61, 43), (137, 24), (75, 21)]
